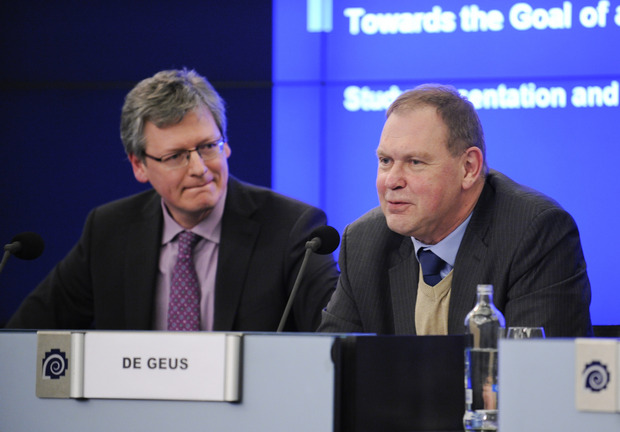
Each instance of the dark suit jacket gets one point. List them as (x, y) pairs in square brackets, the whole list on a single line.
[(520, 241), (108, 279)]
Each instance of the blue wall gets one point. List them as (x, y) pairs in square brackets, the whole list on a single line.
[(333, 82), (67, 66)]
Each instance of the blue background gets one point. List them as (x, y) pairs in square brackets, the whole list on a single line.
[(67, 66), (324, 154)]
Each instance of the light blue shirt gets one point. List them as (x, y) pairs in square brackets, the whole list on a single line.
[(447, 248)]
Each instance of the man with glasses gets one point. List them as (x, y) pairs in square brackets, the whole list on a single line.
[(201, 250)]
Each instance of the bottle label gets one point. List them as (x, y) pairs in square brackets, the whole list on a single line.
[(468, 396)]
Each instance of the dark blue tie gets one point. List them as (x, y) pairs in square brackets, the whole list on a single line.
[(431, 266)]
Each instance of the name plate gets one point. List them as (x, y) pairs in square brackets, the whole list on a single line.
[(139, 365), (597, 366)]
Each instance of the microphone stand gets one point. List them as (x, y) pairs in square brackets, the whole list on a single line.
[(289, 304), (5, 258)]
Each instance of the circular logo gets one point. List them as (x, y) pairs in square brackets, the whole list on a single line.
[(596, 376), (54, 364)]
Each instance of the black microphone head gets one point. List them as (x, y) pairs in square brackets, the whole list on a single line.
[(31, 245), (330, 239)]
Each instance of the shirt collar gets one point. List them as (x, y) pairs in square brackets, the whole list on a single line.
[(448, 247), (209, 228)]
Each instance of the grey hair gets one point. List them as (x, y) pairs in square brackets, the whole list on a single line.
[(164, 99), (459, 115)]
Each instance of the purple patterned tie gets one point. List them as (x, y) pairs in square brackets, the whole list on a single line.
[(184, 306)]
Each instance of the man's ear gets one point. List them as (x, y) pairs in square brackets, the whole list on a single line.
[(473, 163), (139, 170)]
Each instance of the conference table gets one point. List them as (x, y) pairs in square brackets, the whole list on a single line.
[(321, 382)]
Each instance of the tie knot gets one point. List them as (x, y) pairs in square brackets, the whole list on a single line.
[(431, 266), (187, 241)]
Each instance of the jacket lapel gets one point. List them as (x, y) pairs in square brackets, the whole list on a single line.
[(142, 246), (404, 288), (239, 235), (468, 267)]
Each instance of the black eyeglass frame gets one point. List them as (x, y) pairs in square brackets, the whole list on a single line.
[(187, 153)]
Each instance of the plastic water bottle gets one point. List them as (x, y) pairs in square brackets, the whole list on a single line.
[(484, 324)]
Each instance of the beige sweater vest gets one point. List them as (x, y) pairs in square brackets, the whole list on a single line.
[(431, 307)]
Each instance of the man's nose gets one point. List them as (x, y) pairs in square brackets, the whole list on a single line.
[(395, 177), (196, 163)]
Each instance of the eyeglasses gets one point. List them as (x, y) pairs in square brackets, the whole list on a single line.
[(180, 158)]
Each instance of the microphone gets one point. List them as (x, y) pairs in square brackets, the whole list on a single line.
[(26, 246), (323, 240)]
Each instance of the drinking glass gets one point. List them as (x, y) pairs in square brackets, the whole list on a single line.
[(525, 333)]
